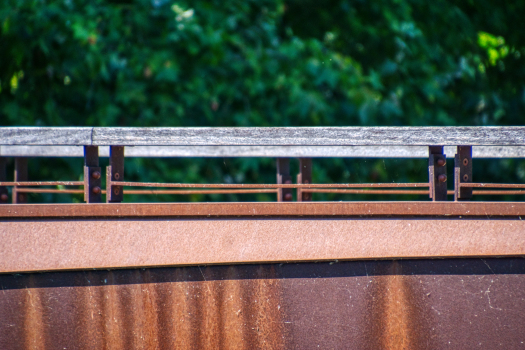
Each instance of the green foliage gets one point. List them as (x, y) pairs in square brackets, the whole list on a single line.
[(261, 63)]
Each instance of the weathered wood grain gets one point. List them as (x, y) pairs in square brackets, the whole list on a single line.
[(312, 136), (45, 136), (307, 136), (263, 151), (42, 151)]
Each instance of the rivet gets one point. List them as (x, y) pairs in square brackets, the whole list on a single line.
[(288, 197), (288, 182), (442, 178), (465, 161), (117, 176), (4, 197), (95, 175), (465, 177), (306, 181), (116, 190), (96, 190), (441, 162)]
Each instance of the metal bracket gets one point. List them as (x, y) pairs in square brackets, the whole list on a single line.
[(462, 173), (304, 177), (283, 177), (4, 196), (437, 173), (92, 175), (115, 172), (20, 176)]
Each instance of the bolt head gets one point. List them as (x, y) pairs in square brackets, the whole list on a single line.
[(288, 197), (116, 191), (4, 197), (95, 190), (465, 161), (95, 175), (465, 177), (442, 178), (117, 176), (441, 162)]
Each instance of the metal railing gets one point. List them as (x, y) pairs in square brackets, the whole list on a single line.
[(436, 144)]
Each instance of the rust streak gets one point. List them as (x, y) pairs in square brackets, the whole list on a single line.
[(34, 323)]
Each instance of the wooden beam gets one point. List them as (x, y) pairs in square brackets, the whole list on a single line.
[(279, 136), (264, 151)]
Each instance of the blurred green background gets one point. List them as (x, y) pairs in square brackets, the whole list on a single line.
[(262, 63)]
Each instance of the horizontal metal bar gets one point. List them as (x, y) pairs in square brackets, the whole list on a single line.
[(42, 183), (491, 185), (366, 191), (264, 151), (43, 245), (199, 191), (185, 185), (264, 209), (270, 136), (188, 192), (47, 190), (498, 192)]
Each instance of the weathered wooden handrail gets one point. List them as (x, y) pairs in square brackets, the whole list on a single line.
[(271, 136), (264, 151)]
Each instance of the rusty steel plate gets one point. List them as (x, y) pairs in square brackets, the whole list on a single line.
[(253, 209), (39, 244), (411, 304)]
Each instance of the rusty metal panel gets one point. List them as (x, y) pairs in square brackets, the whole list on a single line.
[(58, 244), (411, 304), (251, 209)]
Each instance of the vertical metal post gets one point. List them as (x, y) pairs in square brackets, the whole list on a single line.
[(283, 177), (4, 197), (304, 177), (115, 172), (92, 175), (437, 173), (462, 173), (20, 176)]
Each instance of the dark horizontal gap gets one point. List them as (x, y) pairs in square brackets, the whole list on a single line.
[(310, 270)]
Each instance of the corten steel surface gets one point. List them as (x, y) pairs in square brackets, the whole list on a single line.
[(412, 304), (262, 209), (39, 244)]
